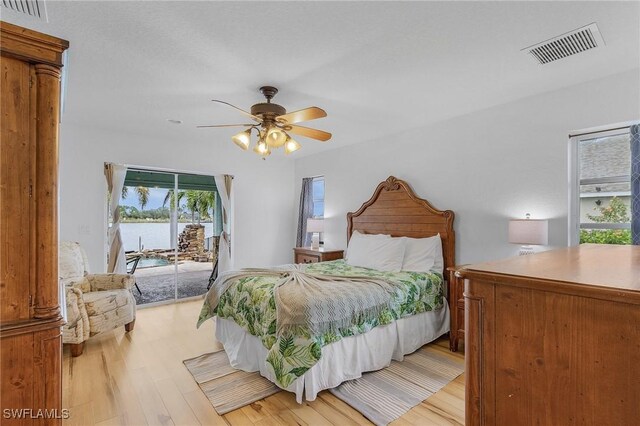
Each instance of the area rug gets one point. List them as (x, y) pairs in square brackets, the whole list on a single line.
[(227, 388), (381, 396), (385, 395)]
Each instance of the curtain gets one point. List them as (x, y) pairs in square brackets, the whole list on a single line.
[(217, 216), (635, 184), (224, 184), (305, 212), (115, 175)]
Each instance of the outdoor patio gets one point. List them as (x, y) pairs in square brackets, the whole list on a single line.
[(157, 283)]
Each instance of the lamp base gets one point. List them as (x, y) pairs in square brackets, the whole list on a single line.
[(524, 250), (315, 241)]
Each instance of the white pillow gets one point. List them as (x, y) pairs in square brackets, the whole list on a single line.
[(423, 254), (382, 253), (356, 235)]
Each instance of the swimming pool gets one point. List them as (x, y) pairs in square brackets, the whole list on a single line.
[(152, 261)]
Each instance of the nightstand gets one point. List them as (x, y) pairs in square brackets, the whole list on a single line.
[(456, 308), (309, 255)]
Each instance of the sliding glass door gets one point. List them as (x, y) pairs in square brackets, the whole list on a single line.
[(195, 248), (170, 232)]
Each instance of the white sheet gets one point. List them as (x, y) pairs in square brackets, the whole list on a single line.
[(343, 360)]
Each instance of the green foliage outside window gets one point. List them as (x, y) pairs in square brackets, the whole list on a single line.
[(615, 212), (198, 205)]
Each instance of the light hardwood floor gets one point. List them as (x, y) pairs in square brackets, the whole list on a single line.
[(138, 378)]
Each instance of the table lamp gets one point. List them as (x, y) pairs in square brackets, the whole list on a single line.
[(315, 226), (528, 232)]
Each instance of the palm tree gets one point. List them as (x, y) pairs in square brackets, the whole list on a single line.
[(172, 199), (141, 191), (208, 202), (195, 202)]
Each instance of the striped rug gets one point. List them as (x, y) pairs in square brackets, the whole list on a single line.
[(385, 395), (381, 396), (226, 387)]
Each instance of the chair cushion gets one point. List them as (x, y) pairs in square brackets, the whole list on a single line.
[(99, 302), (109, 320)]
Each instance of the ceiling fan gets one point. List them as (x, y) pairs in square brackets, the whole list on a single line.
[(274, 125)]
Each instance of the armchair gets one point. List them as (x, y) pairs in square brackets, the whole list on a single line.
[(95, 302)]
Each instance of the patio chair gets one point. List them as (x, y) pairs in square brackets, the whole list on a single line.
[(132, 264), (213, 276), (215, 248), (96, 303)]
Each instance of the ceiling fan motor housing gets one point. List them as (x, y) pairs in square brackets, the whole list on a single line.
[(267, 109)]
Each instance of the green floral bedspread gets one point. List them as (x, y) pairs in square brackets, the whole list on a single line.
[(250, 303)]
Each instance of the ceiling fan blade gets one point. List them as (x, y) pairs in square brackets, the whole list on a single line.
[(248, 114), (310, 133), (306, 114), (228, 125)]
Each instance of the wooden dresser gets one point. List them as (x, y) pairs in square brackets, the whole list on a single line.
[(30, 316), (309, 255), (554, 338)]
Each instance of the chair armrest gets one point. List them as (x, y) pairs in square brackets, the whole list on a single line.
[(74, 304), (100, 282), (76, 330)]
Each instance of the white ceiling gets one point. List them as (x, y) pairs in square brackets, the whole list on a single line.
[(377, 68)]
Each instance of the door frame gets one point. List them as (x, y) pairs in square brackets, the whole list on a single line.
[(176, 172)]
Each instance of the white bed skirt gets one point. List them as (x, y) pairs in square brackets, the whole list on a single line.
[(343, 360)]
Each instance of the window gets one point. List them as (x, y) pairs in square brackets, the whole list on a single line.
[(317, 193), (601, 192)]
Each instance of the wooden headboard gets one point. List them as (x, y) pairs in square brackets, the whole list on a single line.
[(396, 210)]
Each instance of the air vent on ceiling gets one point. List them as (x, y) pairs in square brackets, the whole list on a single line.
[(576, 41), (34, 8)]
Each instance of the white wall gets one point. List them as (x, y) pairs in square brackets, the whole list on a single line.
[(263, 190), (487, 166)]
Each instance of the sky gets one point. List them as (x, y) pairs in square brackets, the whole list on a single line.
[(156, 197)]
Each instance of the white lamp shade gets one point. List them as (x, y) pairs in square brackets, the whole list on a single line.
[(529, 231), (242, 139), (291, 146), (315, 225), (275, 137)]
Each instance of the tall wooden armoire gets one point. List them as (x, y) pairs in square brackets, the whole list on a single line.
[(30, 314)]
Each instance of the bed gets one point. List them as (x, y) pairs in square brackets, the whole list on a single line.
[(250, 305)]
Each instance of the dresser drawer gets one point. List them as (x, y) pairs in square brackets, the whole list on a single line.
[(305, 258), (309, 255)]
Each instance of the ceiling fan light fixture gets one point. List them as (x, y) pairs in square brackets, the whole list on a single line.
[(262, 148), (291, 146), (242, 139), (276, 137), (274, 125)]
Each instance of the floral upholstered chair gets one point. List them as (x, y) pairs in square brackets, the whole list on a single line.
[(95, 302)]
